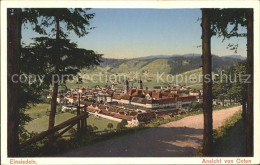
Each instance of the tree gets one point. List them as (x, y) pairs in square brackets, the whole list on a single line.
[(73, 58), (221, 87), (124, 122), (19, 94), (76, 20), (239, 87), (110, 126), (13, 88), (207, 83), (18, 97), (250, 64), (95, 128), (120, 126), (232, 19)]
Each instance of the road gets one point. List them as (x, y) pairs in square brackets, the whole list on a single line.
[(180, 138)]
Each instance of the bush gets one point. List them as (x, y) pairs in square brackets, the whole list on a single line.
[(90, 128), (124, 122), (120, 126), (95, 128), (194, 106), (72, 131), (110, 125)]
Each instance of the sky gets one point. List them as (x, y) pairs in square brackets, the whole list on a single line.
[(130, 33)]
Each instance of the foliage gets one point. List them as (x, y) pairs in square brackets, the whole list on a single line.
[(95, 128), (226, 23), (231, 139), (194, 106), (90, 128), (231, 84), (229, 123), (38, 58), (239, 88), (72, 132), (120, 126), (124, 122), (110, 125), (73, 19)]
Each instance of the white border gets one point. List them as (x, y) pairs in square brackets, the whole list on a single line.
[(127, 4)]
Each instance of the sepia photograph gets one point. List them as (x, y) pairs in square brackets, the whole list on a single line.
[(149, 82)]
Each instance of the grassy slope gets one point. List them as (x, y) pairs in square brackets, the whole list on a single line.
[(159, 65), (193, 78), (127, 67), (40, 122), (38, 110), (230, 139)]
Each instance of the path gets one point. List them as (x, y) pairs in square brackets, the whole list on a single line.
[(180, 138)]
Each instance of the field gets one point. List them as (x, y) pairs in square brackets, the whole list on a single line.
[(38, 110), (40, 122)]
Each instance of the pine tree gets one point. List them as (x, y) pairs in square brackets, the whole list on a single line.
[(76, 20)]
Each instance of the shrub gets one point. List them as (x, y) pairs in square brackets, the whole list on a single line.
[(95, 128), (194, 106), (72, 131), (120, 126), (90, 128), (110, 126), (124, 122)]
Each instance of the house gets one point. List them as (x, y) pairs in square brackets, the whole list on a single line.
[(173, 90), (186, 99), (101, 97), (72, 99), (109, 98), (122, 98), (82, 90), (194, 92), (60, 99)]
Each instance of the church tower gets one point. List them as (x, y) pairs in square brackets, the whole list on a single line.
[(140, 84), (126, 86)]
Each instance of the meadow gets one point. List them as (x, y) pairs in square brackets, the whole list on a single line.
[(41, 120)]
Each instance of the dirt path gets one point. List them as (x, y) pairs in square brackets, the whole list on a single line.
[(174, 139)]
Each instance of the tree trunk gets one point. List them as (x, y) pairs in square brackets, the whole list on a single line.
[(223, 101), (13, 85), (250, 55), (56, 83), (207, 84), (244, 109)]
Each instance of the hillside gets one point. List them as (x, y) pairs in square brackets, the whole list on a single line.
[(174, 64), (185, 65)]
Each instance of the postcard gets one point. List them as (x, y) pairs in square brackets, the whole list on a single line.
[(129, 82)]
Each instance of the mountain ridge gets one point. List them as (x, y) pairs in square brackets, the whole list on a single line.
[(170, 65)]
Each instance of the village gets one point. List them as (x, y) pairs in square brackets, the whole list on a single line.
[(135, 105)]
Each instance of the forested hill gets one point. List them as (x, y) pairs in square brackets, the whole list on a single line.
[(174, 64)]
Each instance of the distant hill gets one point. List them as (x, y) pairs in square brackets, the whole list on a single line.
[(234, 57), (173, 64), (169, 56)]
